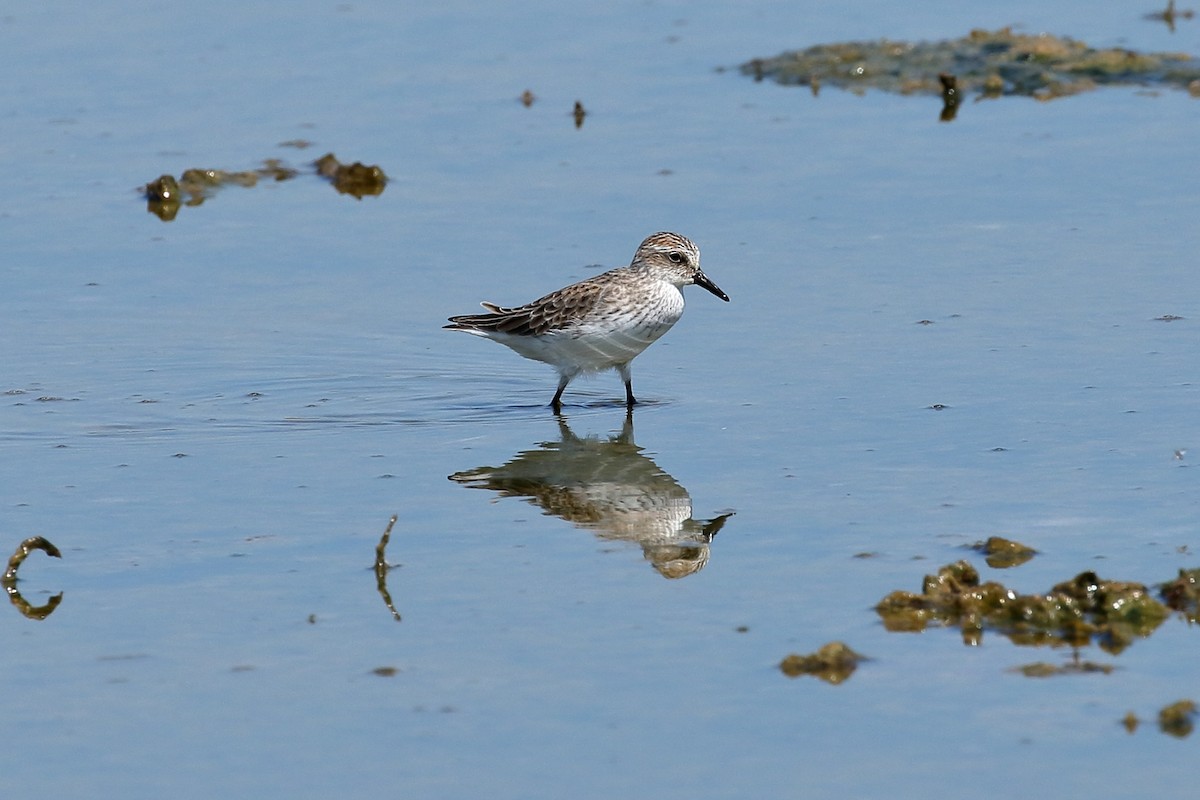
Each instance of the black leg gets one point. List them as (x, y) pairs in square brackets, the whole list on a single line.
[(556, 403), (627, 376)]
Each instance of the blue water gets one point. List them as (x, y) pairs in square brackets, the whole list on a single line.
[(215, 417)]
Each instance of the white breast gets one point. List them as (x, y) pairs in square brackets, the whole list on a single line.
[(615, 332)]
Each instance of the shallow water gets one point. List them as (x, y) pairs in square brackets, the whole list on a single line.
[(215, 417)]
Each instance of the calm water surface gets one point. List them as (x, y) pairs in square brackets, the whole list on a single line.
[(215, 417)]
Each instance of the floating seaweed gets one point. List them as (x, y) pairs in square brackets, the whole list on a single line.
[(166, 194), (357, 180), (1073, 613), (1076, 666), (987, 63), (1001, 553), (1183, 594), (832, 663), (1178, 719)]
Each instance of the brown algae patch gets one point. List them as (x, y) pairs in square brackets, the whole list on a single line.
[(832, 663), (166, 194), (1077, 612), (1178, 719), (1183, 594), (1042, 669), (985, 63), (357, 180), (1001, 553)]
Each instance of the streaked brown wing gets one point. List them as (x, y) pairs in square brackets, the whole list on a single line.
[(555, 312)]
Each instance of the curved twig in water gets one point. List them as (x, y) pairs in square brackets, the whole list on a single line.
[(9, 581), (381, 568)]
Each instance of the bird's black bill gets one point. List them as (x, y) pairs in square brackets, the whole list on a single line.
[(703, 282)]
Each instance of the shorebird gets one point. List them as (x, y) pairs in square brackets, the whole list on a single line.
[(602, 322)]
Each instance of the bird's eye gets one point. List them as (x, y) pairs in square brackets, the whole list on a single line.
[(676, 257)]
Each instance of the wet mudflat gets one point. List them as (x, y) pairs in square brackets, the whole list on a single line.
[(941, 334)]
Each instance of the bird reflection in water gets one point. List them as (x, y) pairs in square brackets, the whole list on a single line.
[(607, 486)]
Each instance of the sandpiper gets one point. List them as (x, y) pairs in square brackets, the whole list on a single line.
[(603, 322)]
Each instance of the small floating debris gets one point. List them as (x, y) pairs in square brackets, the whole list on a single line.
[(1169, 15), (988, 63), (950, 96), (832, 663), (1041, 669)]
